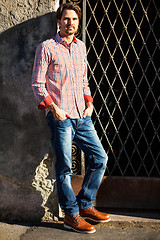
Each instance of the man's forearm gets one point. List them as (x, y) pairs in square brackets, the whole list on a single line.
[(89, 109)]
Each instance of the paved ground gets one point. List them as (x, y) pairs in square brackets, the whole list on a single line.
[(124, 226)]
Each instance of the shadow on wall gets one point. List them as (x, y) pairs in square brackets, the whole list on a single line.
[(24, 134)]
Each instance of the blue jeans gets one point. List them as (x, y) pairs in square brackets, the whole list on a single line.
[(83, 133)]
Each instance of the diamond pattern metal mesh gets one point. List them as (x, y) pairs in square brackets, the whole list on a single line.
[(123, 50)]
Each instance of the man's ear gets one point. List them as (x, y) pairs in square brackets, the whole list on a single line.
[(59, 22)]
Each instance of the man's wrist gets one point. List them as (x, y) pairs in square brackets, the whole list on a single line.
[(52, 106), (89, 104)]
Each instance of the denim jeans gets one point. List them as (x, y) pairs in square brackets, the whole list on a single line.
[(83, 133)]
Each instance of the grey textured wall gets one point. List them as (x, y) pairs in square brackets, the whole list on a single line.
[(27, 179)]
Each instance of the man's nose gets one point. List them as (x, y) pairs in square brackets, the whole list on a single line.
[(70, 21)]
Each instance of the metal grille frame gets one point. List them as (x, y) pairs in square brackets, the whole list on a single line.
[(123, 43)]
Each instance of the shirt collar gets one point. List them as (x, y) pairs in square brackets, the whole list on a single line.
[(60, 40)]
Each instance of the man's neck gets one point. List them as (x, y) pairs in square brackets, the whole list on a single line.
[(67, 38)]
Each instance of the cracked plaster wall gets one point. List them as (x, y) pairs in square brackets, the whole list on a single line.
[(27, 178)]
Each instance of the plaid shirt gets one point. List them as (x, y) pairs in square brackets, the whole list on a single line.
[(60, 75)]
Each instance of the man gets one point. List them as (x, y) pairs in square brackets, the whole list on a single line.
[(61, 86)]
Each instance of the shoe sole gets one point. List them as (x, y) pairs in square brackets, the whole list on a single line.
[(69, 227), (98, 221)]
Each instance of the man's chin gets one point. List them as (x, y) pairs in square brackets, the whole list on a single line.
[(70, 32)]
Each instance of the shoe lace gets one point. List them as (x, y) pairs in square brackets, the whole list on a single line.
[(93, 209), (78, 218)]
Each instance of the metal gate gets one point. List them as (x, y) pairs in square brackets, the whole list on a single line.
[(123, 51)]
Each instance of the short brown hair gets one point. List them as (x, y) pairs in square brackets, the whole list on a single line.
[(70, 6)]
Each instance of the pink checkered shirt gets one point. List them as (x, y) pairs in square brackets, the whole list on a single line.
[(60, 75)]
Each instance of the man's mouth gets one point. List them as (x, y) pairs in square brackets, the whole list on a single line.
[(70, 27)]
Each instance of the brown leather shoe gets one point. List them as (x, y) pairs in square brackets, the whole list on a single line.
[(78, 224), (93, 214)]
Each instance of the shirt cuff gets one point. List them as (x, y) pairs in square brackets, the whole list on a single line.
[(88, 98), (45, 103)]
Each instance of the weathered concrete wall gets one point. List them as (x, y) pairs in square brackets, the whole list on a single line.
[(27, 179)]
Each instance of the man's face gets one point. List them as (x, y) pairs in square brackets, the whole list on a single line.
[(68, 23)]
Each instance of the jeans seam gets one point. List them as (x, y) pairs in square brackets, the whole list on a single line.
[(93, 171), (88, 183)]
